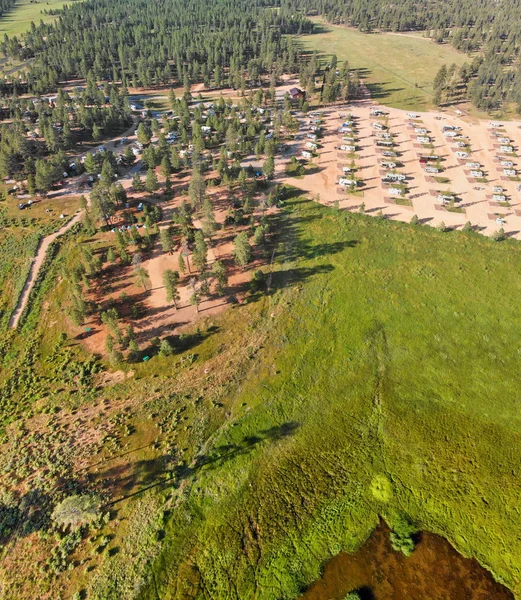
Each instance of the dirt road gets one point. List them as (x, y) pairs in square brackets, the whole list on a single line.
[(35, 269)]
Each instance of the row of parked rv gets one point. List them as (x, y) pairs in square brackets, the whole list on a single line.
[(349, 141), (314, 127)]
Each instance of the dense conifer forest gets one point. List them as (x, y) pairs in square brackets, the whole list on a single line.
[(145, 44)]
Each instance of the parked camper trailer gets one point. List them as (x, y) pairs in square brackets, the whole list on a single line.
[(395, 191), (345, 182)]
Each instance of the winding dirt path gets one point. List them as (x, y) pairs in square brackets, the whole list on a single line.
[(36, 265)]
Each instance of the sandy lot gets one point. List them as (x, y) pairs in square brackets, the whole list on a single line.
[(474, 196)]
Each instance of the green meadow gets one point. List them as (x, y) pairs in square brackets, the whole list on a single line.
[(388, 383), (25, 12), (398, 69)]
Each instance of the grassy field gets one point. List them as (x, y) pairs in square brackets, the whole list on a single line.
[(373, 380), (387, 385), (19, 19), (399, 69)]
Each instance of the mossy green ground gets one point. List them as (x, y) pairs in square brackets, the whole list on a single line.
[(389, 382), (398, 69)]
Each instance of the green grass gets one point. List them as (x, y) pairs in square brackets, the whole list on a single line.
[(373, 379), (399, 70), (387, 383), (19, 19)]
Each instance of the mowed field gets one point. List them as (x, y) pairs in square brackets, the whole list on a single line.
[(387, 384), (399, 69), (19, 19)]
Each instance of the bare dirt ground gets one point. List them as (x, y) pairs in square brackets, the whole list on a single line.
[(476, 204), (160, 317)]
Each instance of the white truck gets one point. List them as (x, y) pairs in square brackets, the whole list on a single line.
[(420, 131), (510, 172), (311, 146), (423, 139), (506, 149), (507, 163), (499, 198), (477, 174), (430, 169), (450, 134), (498, 189), (389, 153), (347, 148), (503, 140)]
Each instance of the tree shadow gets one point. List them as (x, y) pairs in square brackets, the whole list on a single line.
[(163, 470)]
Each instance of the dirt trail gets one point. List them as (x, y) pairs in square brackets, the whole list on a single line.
[(35, 269)]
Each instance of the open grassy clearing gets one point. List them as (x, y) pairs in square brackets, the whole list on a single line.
[(19, 19), (399, 69), (383, 344), (373, 334)]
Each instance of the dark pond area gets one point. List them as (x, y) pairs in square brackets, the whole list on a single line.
[(434, 571)]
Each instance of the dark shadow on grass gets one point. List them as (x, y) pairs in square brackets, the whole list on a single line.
[(162, 470)]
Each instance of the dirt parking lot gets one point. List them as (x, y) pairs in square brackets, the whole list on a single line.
[(455, 189)]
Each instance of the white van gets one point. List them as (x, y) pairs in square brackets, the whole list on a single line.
[(431, 170), (472, 165), (499, 198), (424, 139), (510, 172), (346, 148), (476, 174), (506, 148), (507, 163), (503, 140)]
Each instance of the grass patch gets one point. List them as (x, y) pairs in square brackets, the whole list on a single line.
[(19, 19), (442, 180), (399, 70)]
